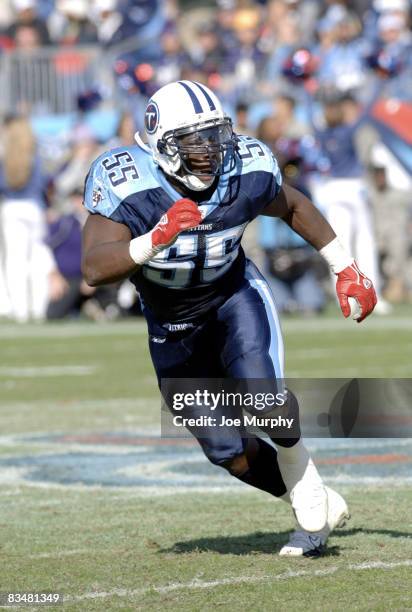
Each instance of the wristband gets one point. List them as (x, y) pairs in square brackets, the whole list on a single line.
[(336, 256), (141, 249)]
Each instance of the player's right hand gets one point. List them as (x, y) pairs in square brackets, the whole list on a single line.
[(183, 215)]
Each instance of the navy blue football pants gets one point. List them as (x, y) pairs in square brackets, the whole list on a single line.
[(240, 340)]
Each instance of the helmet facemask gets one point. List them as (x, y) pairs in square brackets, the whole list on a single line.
[(200, 152)]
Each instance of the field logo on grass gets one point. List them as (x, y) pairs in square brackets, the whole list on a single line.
[(150, 466), (113, 460)]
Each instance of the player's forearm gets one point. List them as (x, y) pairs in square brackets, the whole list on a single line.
[(107, 263), (306, 220)]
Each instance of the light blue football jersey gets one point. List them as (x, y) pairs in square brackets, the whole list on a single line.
[(205, 264)]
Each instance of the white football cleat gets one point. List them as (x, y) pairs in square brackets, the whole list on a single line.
[(310, 505), (307, 544)]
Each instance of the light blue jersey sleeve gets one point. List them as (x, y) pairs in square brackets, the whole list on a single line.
[(256, 158), (115, 176)]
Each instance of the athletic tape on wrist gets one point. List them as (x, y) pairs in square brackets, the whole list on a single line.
[(336, 256), (141, 249)]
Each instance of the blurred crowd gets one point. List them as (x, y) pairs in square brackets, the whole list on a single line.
[(35, 23), (327, 84)]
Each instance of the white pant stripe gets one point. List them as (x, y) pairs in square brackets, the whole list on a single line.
[(276, 350)]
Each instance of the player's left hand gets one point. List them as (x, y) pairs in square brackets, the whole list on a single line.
[(353, 283)]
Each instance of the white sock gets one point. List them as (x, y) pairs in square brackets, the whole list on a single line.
[(295, 464)]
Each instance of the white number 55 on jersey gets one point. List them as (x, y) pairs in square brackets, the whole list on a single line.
[(211, 253)]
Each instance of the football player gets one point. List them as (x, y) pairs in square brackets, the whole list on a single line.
[(170, 215)]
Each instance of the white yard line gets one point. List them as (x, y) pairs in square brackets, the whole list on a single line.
[(211, 584), (136, 492), (321, 352), (72, 330), (47, 371), (340, 324), (86, 404), (368, 371), (58, 554)]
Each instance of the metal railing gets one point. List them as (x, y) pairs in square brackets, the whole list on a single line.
[(49, 79)]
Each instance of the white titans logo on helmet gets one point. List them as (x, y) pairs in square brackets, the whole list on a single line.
[(151, 118)]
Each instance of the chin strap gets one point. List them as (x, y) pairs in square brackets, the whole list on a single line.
[(191, 181), (142, 144), (194, 182)]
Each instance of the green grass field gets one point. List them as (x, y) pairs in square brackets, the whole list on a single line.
[(94, 505)]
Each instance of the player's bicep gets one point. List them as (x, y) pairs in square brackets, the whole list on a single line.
[(101, 230), (279, 206)]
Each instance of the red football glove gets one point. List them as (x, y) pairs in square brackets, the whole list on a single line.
[(181, 216), (352, 283)]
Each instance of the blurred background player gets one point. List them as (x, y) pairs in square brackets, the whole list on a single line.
[(27, 262), (341, 193)]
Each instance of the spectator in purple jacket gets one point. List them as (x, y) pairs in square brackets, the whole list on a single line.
[(65, 240)]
